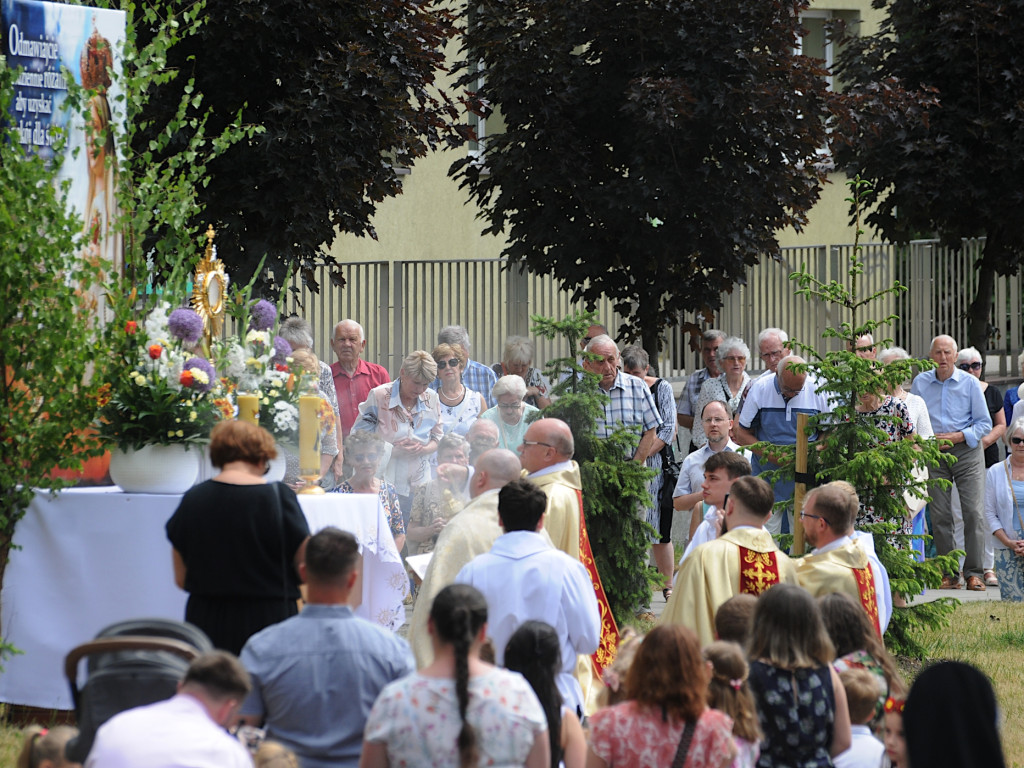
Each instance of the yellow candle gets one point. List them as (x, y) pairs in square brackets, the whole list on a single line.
[(249, 408), (309, 434)]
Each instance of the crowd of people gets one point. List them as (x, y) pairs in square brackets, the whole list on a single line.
[(513, 658)]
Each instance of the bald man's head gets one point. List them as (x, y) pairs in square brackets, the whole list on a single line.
[(495, 469), (546, 442)]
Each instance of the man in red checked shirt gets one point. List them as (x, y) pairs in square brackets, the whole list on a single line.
[(353, 376)]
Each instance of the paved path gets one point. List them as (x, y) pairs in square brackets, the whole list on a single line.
[(963, 595)]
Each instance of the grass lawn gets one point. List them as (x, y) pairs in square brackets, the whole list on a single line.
[(990, 636), (987, 634)]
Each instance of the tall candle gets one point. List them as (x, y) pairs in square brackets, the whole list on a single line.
[(248, 408), (309, 434)]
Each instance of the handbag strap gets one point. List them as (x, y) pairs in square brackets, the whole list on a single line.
[(1009, 482), (666, 450), (684, 744)]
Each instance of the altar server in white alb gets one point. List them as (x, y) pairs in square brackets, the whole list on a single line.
[(524, 577)]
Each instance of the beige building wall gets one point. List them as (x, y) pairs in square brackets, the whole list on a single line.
[(432, 219)]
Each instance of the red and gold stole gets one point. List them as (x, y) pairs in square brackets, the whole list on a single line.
[(605, 653), (868, 598), (758, 571)]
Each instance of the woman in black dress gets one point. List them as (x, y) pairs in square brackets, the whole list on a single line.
[(237, 540)]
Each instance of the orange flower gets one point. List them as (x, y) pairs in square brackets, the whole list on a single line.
[(103, 394), (186, 379), (131, 327), (894, 705), (155, 350), (227, 410)]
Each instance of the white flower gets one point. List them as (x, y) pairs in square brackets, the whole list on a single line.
[(286, 416), (234, 361), (261, 337), (200, 375), (156, 323)]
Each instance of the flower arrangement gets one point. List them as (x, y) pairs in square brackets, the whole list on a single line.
[(258, 362), (159, 389)]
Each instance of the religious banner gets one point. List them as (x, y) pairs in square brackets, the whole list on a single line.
[(48, 44)]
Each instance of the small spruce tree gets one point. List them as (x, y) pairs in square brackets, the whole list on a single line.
[(614, 489), (853, 447)]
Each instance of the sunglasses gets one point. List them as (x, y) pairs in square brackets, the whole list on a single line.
[(453, 363), (970, 366), (1017, 440)]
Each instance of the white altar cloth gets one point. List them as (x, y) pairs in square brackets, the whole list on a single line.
[(91, 557)]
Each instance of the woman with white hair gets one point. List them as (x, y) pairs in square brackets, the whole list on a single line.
[(517, 360), (915, 403), (1004, 512), (510, 413), (727, 387)]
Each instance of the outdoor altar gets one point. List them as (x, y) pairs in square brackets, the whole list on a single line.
[(91, 557)]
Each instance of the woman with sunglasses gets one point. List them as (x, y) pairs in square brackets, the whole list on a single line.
[(1004, 513), (510, 414), (363, 453), (460, 405), (969, 360)]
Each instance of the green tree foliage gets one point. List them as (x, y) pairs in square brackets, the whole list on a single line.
[(47, 336), (614, 488), (650, 151), (344, 91), (853, 447), (956, 170)]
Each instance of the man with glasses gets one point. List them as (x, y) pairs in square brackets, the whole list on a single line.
[(842, 561), (743, 560), (717, 429), (770, 414), (960, 418), (686, 403)]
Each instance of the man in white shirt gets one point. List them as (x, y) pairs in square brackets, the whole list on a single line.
[(717, 426), (185, 730), (523, 577)]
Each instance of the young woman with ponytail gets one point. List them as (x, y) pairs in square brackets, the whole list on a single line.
[(459, 712)]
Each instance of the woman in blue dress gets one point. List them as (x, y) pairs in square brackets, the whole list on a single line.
[(800, 699)]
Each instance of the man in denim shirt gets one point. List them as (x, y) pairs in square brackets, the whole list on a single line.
[(316, 675)]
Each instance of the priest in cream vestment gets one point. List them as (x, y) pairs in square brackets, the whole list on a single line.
[(744, 559), (843, 561), (546, 455), (471, 532)]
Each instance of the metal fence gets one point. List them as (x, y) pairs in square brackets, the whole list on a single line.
[(402, 304)]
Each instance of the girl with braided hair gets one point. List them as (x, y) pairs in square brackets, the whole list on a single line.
[(459, 711), (535, 652)]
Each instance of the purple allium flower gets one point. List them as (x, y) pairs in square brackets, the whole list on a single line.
[(204, 365), (186, 325), (262, 315), (282, 350)]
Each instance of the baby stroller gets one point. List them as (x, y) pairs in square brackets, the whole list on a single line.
[(130, 663)]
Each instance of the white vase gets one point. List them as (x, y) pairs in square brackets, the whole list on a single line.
[(155, 468)]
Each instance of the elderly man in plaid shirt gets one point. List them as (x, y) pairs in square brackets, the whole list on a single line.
[(631, 403), (475, 376)]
